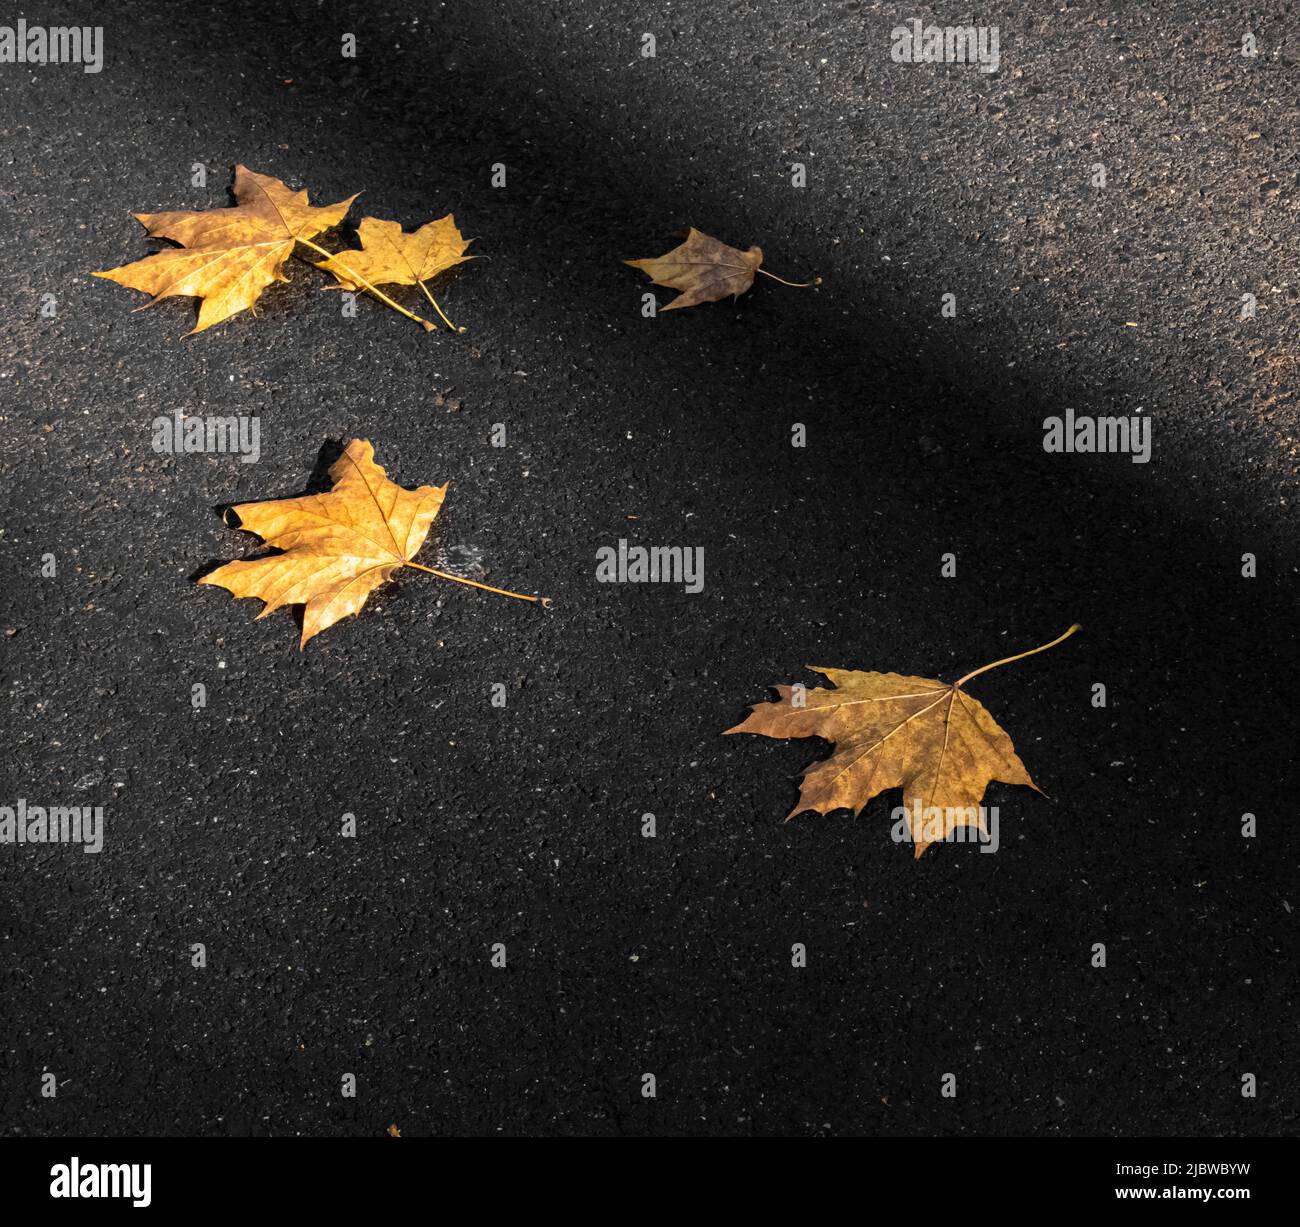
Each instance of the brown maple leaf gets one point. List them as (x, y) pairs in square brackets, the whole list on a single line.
[(337, 547), (929, 738), (227, 257), (390, 256), (705, 269)]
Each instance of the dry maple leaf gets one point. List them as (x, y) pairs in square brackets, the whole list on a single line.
[(227, 257), (390, 256), (338, 547), (705, 269), (931, 739)]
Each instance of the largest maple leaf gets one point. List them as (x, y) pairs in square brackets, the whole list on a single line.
[(228, 257), (929, 738)]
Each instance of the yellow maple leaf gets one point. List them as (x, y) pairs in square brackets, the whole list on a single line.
[(228, 257), (390, 256), (929, 738), (337, 547), (706, 269)]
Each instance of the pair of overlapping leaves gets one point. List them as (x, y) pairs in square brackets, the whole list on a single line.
[(228, 257)]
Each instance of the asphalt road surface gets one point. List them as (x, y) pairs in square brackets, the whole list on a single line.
[(521, 825)]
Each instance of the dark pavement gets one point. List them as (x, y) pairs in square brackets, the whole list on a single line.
[(521, 825)]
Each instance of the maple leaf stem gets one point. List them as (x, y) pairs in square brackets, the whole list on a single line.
[(434, 304), (1006, 660), (519, 596), (379, 294), (798, 285)]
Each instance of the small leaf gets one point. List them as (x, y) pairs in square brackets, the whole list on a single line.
[(390, 256), (705, 270)]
